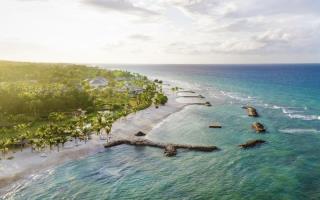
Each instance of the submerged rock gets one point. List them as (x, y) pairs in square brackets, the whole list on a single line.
[(251, 143), (170, 150), (140, 133), (258, 127)]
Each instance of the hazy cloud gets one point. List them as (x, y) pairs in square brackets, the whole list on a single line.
[(123, 6), (218, 47), (182, 30), (140, 37)]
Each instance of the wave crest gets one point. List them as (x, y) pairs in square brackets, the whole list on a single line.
[(299, 130)]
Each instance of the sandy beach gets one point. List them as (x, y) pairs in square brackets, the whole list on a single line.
[(25, 163)]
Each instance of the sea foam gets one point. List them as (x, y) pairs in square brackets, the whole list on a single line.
[(299, 130), (291, 112)]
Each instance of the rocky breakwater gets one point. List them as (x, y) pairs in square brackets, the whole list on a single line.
[(169, 149)]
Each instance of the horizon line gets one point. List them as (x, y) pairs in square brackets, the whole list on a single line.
[(102, 63)]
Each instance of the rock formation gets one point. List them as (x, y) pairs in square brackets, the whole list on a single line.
[(251, 143), (140, 133), (258, 127), (170, 149)]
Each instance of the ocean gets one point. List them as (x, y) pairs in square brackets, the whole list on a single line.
[(286, 167)]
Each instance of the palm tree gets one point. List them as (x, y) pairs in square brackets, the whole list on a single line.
[(23, 134), (58, 140), (57, 117), (40, 144), (32, 142), (108, 130), (86, 129), (40, 138), (51, 142), (75, 134), (64, 139), (4, 143), (22, 139)]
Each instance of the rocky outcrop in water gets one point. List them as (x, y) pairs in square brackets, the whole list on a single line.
[(258, 127), (251, 111), (215, 125), (170, 149), (251, 143)]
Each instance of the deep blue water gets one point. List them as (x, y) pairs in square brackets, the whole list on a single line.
[(286, 167)]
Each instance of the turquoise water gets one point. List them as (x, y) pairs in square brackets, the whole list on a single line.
[(287, 167)]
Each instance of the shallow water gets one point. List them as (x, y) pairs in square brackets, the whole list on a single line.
[(287, 167)]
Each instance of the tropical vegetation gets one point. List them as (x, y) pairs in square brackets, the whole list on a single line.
[(46, 105)]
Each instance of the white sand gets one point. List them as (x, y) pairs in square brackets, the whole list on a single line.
[(26, 163)]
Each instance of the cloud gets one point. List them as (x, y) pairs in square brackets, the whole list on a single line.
[(32, 0), (171, 28), (218, 47), (246, 8), (113, 45), (123, 6), (204, 7), (140, 37), (271, 42), (274, 36)]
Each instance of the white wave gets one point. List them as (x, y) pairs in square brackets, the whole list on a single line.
[(304, 117), (285, 109), (276, 107), (238, 96), (299, 130), (294, 112), (288, 111), (111, 171)]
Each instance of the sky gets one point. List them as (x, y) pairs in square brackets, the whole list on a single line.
[(160, 31)]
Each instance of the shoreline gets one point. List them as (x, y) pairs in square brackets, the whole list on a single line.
[(24, 164)]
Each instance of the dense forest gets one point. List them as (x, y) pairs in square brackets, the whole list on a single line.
[(45, 105)]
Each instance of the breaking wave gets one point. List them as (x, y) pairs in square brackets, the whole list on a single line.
[(291, 112), (299, 130)]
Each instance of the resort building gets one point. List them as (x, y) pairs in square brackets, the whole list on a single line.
[(98, 82)]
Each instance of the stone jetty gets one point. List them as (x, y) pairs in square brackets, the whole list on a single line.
[(170, 149)]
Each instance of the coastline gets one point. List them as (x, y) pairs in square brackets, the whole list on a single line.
[(25, 164)]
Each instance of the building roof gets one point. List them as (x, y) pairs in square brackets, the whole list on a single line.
[(98, 82)]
